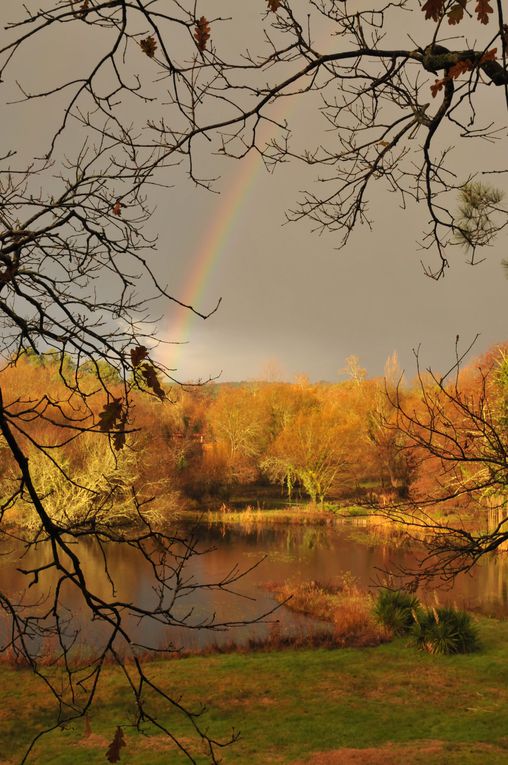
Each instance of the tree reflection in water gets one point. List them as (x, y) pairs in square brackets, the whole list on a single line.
[(299, 553)]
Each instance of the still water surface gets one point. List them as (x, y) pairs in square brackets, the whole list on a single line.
[(284, 552)]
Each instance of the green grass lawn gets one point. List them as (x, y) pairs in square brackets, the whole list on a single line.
[(408, 706)]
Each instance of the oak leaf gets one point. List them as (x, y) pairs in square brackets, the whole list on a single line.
[(433, 9), (202, 33), (110, 415), (138, 354), (489, 55), (113, 753), (149, 374), (482, 10), (438, 85), (461, 67), (149, 46), (119, 434), (456, 12)]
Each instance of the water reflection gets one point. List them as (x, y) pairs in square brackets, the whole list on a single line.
[(297, 553)]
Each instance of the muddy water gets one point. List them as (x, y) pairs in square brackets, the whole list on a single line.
[(268, 554)]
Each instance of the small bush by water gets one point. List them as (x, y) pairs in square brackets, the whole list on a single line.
[(395, 610), (435, 630), (444, 631)]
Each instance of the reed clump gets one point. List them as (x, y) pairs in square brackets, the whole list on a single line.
[(347, 608)]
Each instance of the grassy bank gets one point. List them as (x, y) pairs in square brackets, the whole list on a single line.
[(296, 514), (392, 702)]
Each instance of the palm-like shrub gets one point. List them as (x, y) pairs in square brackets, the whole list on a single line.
[(395, 610), (444, 631)]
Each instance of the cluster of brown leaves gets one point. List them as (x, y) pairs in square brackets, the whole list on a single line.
[(274, 5), (460, 68), (113, 417), (202, 33), (149, 46), (113, 420), (141, 363), (434, 9), (113, 753)]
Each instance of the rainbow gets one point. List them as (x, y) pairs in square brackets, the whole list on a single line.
[(215, 238), (212, 244)]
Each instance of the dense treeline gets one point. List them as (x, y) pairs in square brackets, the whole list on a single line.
[(209, 444)]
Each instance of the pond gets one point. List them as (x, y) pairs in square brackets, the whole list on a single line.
[(269, 553)]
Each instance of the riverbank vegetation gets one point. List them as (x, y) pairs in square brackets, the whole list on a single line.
[(329, 448), (348, 609), (358, 618), (390, 703)]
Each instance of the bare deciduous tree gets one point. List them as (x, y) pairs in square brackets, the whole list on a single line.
[(455, 434)]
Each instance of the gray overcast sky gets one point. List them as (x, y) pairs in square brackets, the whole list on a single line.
[(289, 298)]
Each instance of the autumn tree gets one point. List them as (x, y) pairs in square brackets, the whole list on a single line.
[(394, 461), (238, 421), (309, 453)]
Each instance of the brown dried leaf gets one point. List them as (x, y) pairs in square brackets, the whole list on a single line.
[(433, 9), (151, 380), (456, 12), (489, 55), (81, 11), (113, 753), (274, 5), (117, 208), (483, 8), (119, 434), (110, 415), (461, 67), (138, 354), (202, 33), (149, 46), (438, 85)]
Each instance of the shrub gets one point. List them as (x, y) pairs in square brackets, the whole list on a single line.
[(444, 631), (346, 607), (395, 610)]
